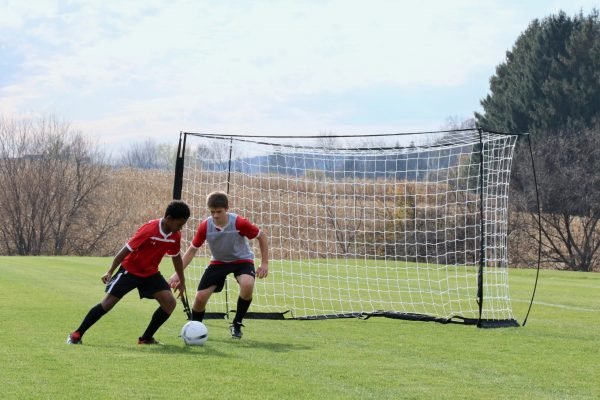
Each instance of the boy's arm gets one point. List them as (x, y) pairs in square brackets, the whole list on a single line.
[(178, 265), (189, 256), (187, 259), (115, 264), (263, 243)]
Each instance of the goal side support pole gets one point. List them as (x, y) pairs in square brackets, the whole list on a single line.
[(481, 231), (482, 322), (177, 191), (179, 162), (227, 309)]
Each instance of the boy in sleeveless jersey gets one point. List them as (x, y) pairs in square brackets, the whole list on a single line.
[(227, 236)]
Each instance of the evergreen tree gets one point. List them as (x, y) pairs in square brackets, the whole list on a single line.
[(550, 80)]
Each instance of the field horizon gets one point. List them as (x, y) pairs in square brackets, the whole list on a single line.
[(554, 356)]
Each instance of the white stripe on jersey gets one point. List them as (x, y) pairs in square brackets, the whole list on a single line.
[(162, 240)]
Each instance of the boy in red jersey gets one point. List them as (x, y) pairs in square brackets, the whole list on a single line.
[(138, 264), (227, 236)]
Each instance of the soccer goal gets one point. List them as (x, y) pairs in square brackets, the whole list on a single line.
[(410, 226)]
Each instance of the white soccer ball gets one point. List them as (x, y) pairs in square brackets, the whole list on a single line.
[(194, 333)]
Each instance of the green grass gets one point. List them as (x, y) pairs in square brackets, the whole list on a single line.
[(43, 298)]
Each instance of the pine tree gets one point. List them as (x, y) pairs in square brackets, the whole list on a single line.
[(550, 81)]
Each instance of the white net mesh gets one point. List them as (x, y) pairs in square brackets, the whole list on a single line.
[(361, 226)]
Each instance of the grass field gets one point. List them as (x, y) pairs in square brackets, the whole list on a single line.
[(556, 356)]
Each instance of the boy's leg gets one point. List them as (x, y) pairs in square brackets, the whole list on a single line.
[(167, 304), (93, 316), (200, 302), (96, 312), (246, 283)]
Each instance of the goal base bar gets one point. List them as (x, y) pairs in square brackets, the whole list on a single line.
[(495, 323), (484, 323), (249, 315), (267, 315), (215, 315)]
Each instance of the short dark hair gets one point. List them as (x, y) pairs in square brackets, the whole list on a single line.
[(217, 200), (177, 209)]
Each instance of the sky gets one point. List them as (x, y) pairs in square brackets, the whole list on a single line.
[(124, 71)]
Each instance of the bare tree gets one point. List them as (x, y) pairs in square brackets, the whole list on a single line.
[(50, 177), (327, 140), (341, 199), (455, 122), (569, 183), (149, 155), (214, 157), (344, 216)]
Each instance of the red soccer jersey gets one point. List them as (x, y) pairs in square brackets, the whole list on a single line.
[(148, 247), (242, 225)]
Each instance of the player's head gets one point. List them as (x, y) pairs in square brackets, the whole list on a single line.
[(217, 200), (218, 204), (176, 215)]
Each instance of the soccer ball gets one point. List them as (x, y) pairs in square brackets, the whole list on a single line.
[(194, 333)]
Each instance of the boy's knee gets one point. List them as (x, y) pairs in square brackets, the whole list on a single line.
[(109, 302), (246, 291), (167, 302), (169, 305), (202, 298)]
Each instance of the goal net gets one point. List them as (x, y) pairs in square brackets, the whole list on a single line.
[(409, 226)]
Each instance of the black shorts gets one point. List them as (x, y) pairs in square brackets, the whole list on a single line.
[(123, 282), (215, 274)]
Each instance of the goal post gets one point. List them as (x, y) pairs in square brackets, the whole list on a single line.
[(409, 226)]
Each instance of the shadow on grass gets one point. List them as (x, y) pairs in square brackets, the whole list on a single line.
[(178, 349), (265, 345), (209, 349)]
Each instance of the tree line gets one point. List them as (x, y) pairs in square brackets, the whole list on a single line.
[(59, 194)]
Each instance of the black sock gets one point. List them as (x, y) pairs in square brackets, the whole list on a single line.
[(242, 309), (158, 318), (197, 315), (91, 318)]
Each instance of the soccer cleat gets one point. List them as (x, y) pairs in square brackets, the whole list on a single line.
[(236, 330), (74, 338), (148, 341)]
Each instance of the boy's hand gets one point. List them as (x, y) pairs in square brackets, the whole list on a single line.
[(262, 271), (174, 281), (176, 284), (180, 287), (106, 277)]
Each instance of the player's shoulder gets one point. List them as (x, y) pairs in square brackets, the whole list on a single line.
[(236, 216), (241, 217), (239, 220), (150, 225)]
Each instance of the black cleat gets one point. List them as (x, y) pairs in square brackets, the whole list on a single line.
[(236, 330), (148, 341)]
